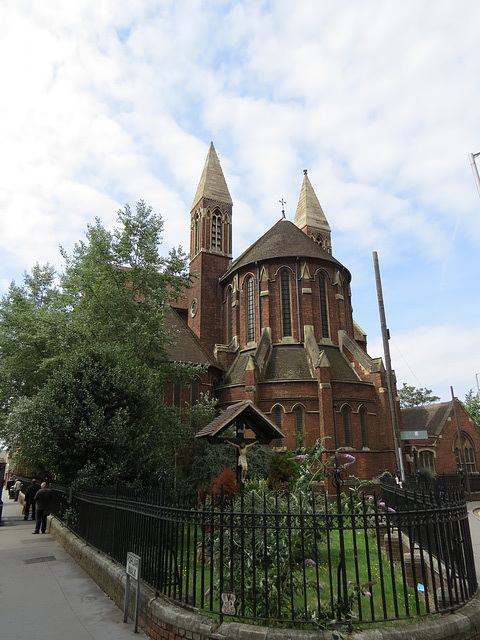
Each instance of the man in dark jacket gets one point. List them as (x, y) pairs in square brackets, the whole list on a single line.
[(30, 494), (42, 500)]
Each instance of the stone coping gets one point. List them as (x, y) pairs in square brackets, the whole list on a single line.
[(161, 618)]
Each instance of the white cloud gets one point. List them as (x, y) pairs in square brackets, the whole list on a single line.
[(437, 358), (106, 103)]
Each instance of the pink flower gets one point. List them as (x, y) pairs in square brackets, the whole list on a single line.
[(301, 456), (349, 459), (367, 594)]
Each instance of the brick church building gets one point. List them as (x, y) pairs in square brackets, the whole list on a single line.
[(275, 327)]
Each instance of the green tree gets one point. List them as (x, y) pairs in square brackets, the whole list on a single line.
[(84, 365), (472, 405), (410, 396), (32, 331)]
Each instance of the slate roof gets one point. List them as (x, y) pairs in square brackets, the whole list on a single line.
[(289, 362), (187, 347), (255, 419), (283, 240), (431, 417)]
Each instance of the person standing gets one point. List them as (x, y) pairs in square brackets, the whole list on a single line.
[(17, 487), (30, 494), (42, 501)]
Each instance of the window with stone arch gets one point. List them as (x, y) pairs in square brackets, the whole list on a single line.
[(250, 309), (363, 426), (322, 285), (347, 425), (465, 453), (196, 232), (426, 459), (286, 305), (229, 315), (278, 419), (217, 231), (299, 421)]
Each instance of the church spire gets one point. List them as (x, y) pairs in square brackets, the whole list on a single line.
[(212, 183), (310, 217)]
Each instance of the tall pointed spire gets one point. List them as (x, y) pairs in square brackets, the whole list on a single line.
[(212, 183), (310, 217)]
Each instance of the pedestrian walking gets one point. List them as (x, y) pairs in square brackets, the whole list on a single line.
[(30, 494), (42, 501)]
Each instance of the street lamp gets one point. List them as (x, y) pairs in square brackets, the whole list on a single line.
[(472, 157)]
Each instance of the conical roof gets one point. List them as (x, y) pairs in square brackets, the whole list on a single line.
[(309, 211), (212, 183), (283, 240)]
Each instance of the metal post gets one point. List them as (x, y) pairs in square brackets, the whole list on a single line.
[(342, 586), (472, 157), (388, 367)]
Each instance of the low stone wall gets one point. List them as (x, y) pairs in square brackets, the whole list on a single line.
[(162, 619)]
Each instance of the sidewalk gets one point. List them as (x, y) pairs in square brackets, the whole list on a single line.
[(474, 520), (44, 594)]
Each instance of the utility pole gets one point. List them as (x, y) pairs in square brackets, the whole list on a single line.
[(461, 447), (472, 157), (388, 367)]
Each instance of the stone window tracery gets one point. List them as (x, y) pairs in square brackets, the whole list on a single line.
[(323, 304), (286, 308), (465, 454), (250, 311)]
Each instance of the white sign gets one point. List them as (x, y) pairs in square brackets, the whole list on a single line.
[(133, 565)]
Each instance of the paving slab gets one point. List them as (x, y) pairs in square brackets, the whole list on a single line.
[(44, 594)]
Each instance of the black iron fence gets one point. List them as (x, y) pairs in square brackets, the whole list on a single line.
[(296, 561)]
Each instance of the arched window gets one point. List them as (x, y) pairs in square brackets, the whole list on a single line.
[(465, 454), (193, 392), (177, 389), (363, 426), (229, 315), (196, 232), (278, 414), (323, 304), (250, 311), (299, 419), (286, 311), (426, 460), (347, 425), (216, 232)]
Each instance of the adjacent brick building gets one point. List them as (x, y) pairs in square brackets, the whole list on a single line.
[(453, 439), (275, 326)]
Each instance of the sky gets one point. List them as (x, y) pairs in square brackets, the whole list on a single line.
[(106, 103)]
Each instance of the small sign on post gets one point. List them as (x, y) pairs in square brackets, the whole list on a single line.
[(133, 569)]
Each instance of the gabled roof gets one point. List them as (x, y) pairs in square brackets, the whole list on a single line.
[(283, 240), (212, 183), (431, 417), (186, 348), (309, 211), (254, 419)]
